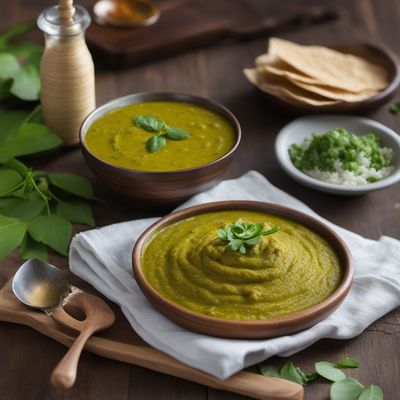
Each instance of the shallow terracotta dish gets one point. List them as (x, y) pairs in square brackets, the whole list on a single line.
[(371, 52), (158, 188), (245, 329)]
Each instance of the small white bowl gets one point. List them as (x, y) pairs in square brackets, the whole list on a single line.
[(299, 129)]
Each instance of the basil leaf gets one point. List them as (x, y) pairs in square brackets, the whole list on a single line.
[(10, 122), (149, 123), (25, 209), (222, 234), (16, 30), (347, 363), (26, 52), (176, 133), (234, 244), (17, 166), (32, 249), (26, 83), (9, 180), (291, 373), (53, 230), (12, 231), (254, 240), (395, 108), (155, 143), (30, 138), (346, 389), (74, 184), (9, 66), (269, 370), (76, 212), (242, 249), (311, 376), (5, 89), (328, 371), (6, 201), (371, 392)]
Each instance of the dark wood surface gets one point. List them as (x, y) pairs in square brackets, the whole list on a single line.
[(27, 357)]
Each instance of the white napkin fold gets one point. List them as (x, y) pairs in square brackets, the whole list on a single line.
[(102, 257)]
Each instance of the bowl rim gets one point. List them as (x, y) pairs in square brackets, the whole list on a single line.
[(143, 97), (287, 165), (308, 314), (343, 106)]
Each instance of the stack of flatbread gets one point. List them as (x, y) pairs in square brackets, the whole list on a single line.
[(315, 75)]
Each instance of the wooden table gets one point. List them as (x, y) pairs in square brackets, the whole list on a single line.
[(216, 72)]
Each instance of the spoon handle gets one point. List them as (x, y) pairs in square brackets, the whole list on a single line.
[(64, 374)]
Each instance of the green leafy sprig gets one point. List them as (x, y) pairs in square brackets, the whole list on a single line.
[(37, 208), (242, 235), (23, 133), (162, 130), (19, 65), (342, 388), (395, 108)]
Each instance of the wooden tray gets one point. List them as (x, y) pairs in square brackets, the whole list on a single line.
[(188, 24), (121, 343)]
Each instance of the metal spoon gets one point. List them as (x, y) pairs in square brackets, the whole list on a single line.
[(42, 286), (126, 13)]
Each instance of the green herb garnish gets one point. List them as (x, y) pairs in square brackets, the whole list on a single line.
[(395, 108), (36, 209), (242, 235), (342, 388), (155, 125), (22, 133), (19, 65)]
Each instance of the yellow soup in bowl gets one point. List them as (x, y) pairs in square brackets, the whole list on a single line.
[(281, 274), (160, 136)]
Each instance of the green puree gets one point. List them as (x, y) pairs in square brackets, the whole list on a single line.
[(283, 273), (116, 139), (326, 151)]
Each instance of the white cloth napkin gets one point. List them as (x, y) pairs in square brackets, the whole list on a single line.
[(102, 257)]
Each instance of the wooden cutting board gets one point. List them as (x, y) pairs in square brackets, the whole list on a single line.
[(188, 24), (121, 343)]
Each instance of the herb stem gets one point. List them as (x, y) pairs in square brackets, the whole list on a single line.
[(41, 195)]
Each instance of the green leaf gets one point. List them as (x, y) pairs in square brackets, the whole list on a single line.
[(149, 123), (16, 30), (346, 389), (176, 133), (35, 116), (26, 83), (74, 184), (12, 231), (30, 138), (222, 234), (234, 244), (291, 373), (17, 166), (53, 230), (270, 231), (371, 392), (6, 201), (155, 143), (76, 212), (9, 180), (5, 90), (328, 371), (9, 66), (10, 122), (25, 209), (32, 249), (311, 376), (26, 52), (254, 240), (347, 363), (395, 108), (269, 370)]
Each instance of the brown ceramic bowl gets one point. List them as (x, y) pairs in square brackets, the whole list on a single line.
[(165, 188), (374, 53), (245, 329)]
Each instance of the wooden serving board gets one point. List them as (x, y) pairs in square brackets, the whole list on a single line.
[(121, 343), (188, 24)]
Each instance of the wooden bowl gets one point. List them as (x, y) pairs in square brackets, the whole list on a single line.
[(154, 188), (246, 329), (374, 53)]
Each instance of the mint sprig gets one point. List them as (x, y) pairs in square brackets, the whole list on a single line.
[(242, 235), (162, 130)]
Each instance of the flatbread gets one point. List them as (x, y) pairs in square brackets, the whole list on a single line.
[(330, 67), (285, 89), (323, 90)]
